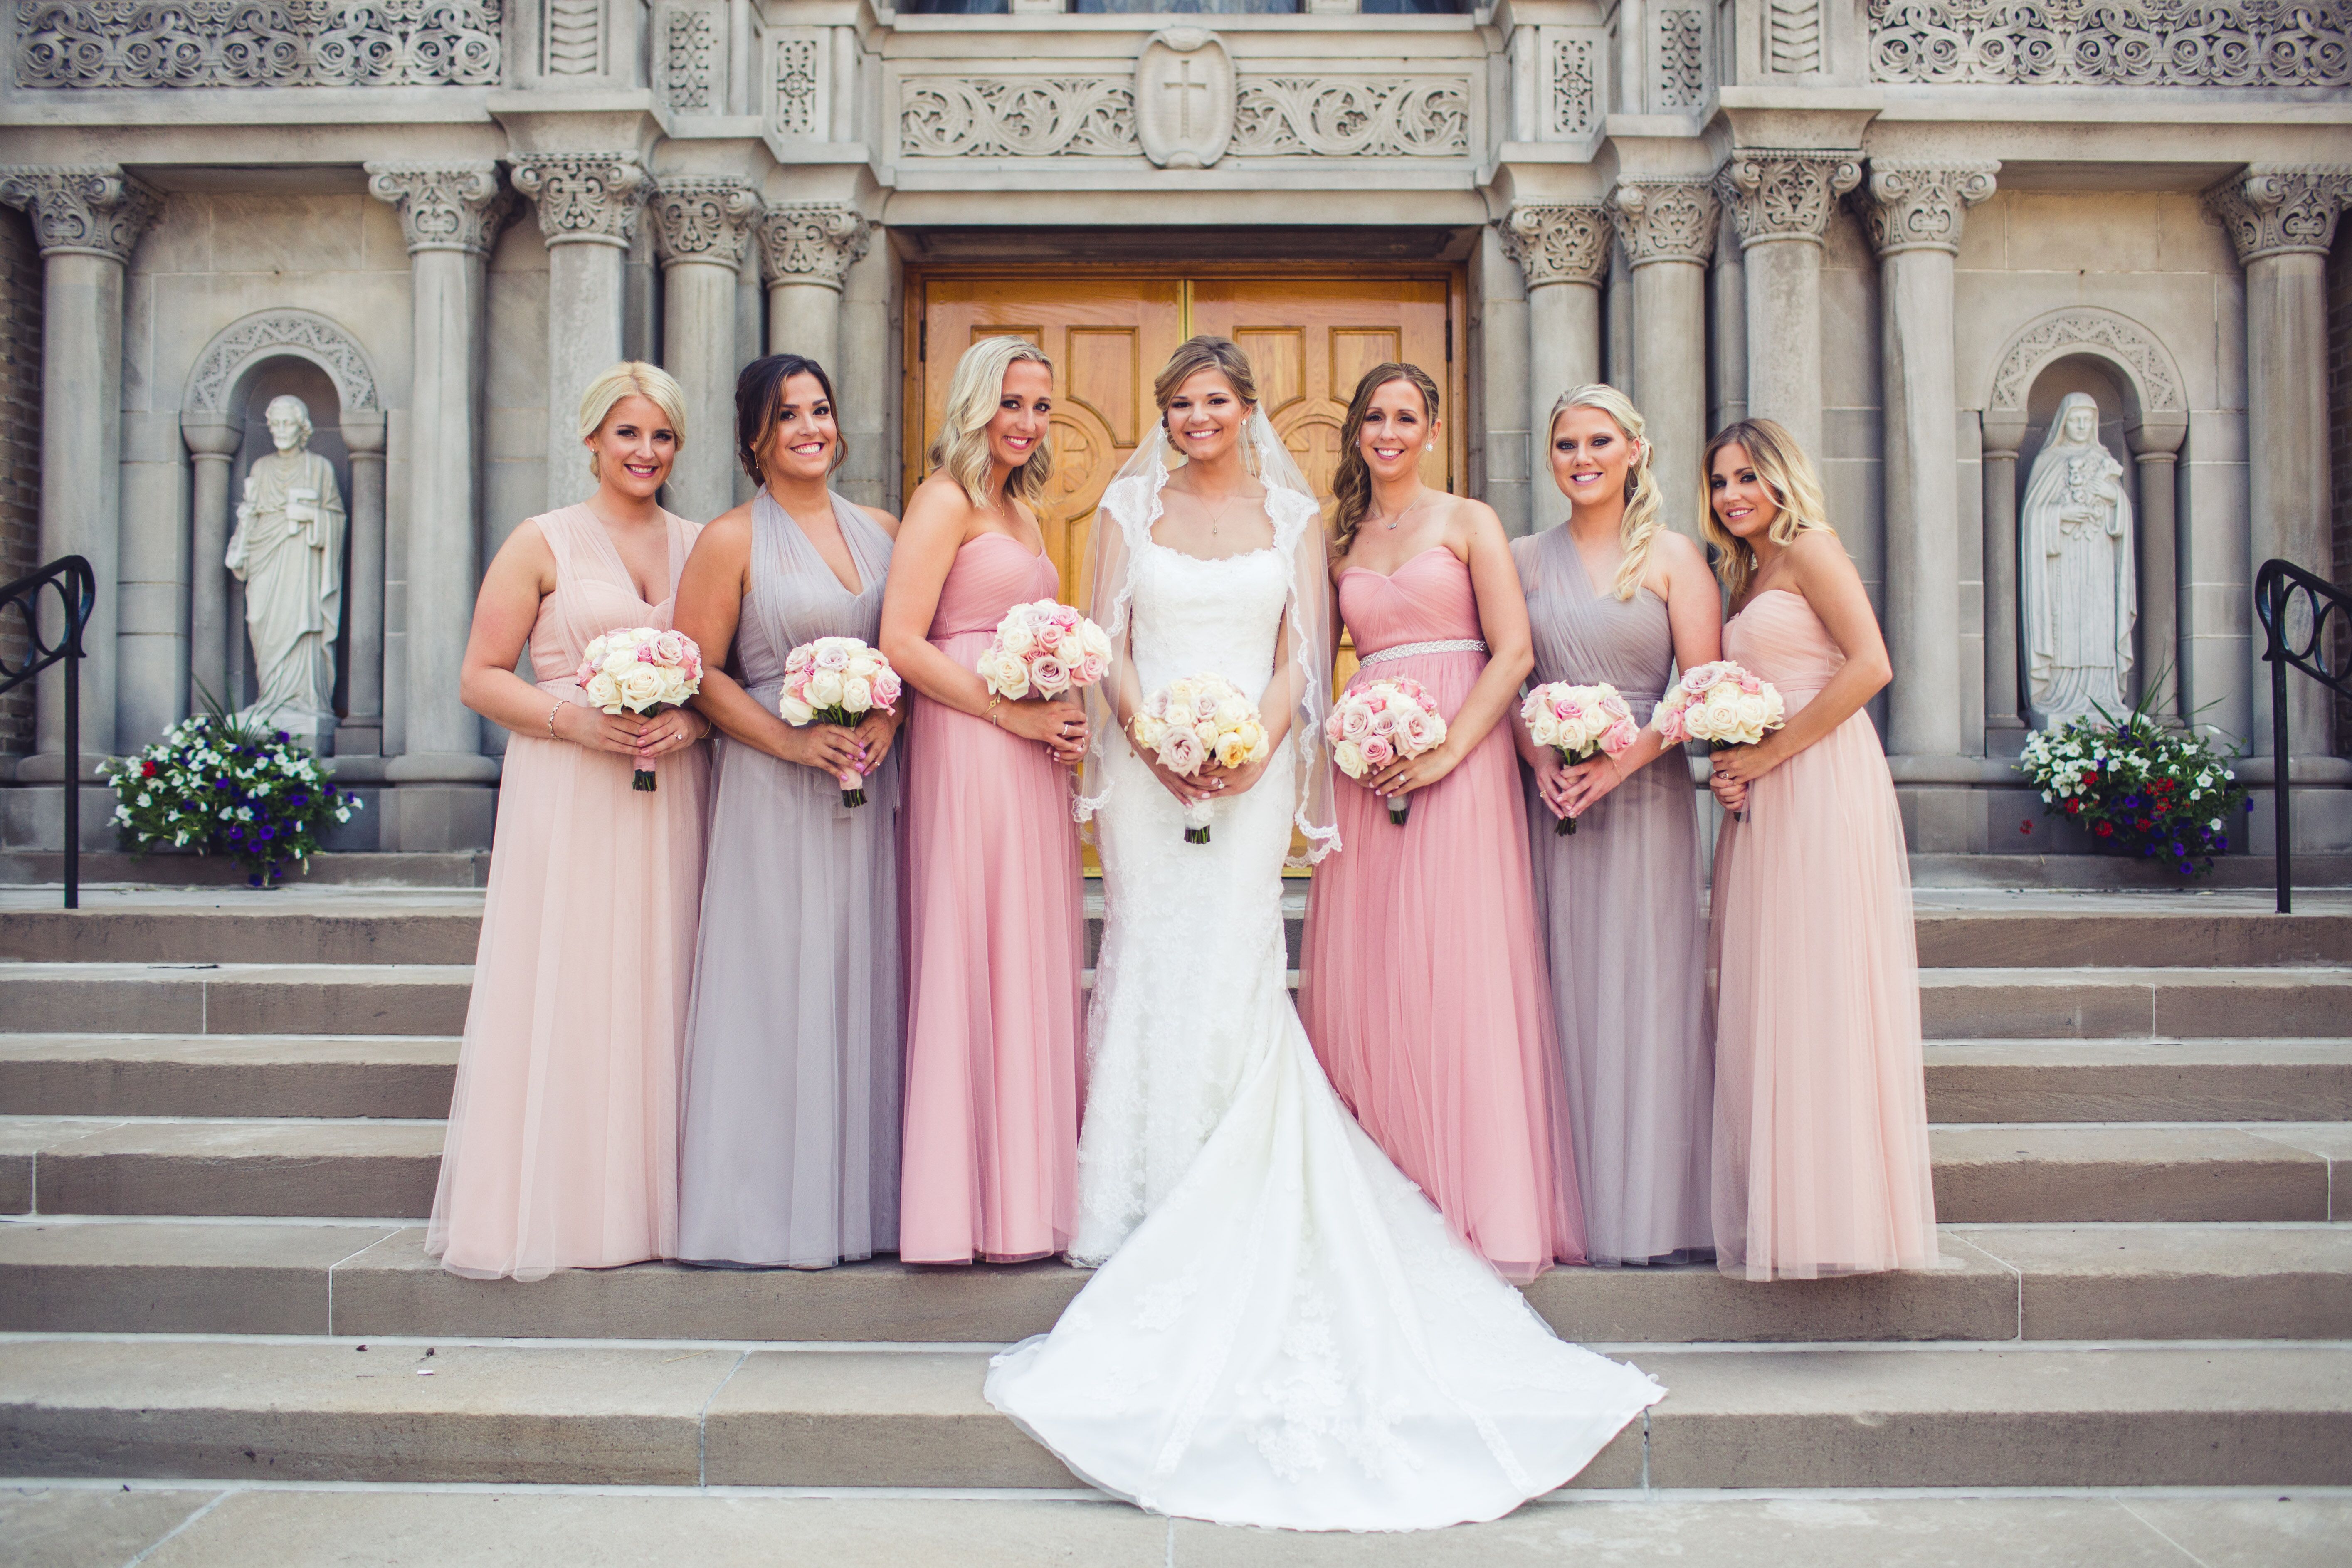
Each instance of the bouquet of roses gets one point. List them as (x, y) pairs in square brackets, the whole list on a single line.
[(1380, 723), (1721, 704), (638, 670), (1043, 649), (1580, 722), (1189, 724), (837, 680)]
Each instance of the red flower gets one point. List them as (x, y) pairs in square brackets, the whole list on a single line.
[(2026, 827), (2073, 808), (146, 770), (2105, 830)]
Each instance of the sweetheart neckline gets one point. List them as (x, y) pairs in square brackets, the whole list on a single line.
[(1392, 577)]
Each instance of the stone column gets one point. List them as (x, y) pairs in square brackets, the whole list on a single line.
[(1667, 228), (588, 205), (361, 732), (806, 248), (87, 219), (1914, 213), (867, 381), (1727, 296), (2283, 221), (701, 225), (2156, 452), (1781, 202), (213, 441), (1563, 253), (449, 214), (2004, 730)]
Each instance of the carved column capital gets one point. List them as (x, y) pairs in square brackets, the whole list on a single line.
[(811, 242), (85, 209), (583, 197), (444, 206), (1920, 207), (1785, 194), (1557, 244), (2276, 210), (1665, 220), (699, 217)]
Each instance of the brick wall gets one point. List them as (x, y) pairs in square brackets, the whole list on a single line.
[(2339, 449), (20, 447)]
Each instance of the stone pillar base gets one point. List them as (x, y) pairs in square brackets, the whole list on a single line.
[(439, 801)]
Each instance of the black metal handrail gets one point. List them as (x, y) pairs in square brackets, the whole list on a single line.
[(77, 589), (2276, 586)]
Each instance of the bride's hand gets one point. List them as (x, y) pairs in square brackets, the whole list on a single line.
[(1235, 781), (1201, 786)]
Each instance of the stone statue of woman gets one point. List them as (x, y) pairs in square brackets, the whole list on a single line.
[(2076, 575), (288, 553)]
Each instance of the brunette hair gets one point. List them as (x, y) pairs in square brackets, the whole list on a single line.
[(1199, 354), (760, 393), (1351, 486), (1645, 511), (960, 449), (1786, 471)]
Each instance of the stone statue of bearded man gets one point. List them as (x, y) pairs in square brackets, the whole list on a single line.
[(288, 553)]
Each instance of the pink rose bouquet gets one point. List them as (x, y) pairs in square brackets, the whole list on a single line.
[(1190, 723), (1721, 704), (837, 680), (1580, 722), (1380, 723), (1043, 649), (640, 670)]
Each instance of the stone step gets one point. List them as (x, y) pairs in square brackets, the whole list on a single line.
[(2104, 1282), (373, 869), (727, 1415), (2134, 1004), (2086, 1080), (326, 1168)]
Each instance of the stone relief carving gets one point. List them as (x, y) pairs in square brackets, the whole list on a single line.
[(1557, 244), (2113, 43), (1571, 107), (811, 242), (95, 208), (1919, 207), (1665, 220), (1792, 36), (444, 206), (301, 333), (1016, 117), (575, 37), (1047, 117), (288, 551), (2077, 588), (1776, 194), (690, 57), (86, 44), (1682, 58), (591, 196), (704, 218), (1183, 97), (2271, 210), (796, 86), (2086, 327), (1411, 117)]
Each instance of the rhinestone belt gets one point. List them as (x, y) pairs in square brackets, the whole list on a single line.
[(1406, 651)]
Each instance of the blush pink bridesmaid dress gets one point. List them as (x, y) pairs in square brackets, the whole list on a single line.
[(1820, 1115), (562, 1144), (994, 932), (1421, 981)]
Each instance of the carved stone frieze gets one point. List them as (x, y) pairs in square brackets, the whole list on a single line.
[(796, 61), (82, 44), (1183, 97), (703, 218), (572, 41), (1574, 105), (444, 206), (2274, 209), (1665, 220), (1682, 58), (691, 53), (811, 242), (1557, 244), (2113, 43), (583, 197), (1352, 118), (302, 333), (2104, 333), (1785, 194), (1920, 207), (1017, 117), (1792, 36), (91, 209)]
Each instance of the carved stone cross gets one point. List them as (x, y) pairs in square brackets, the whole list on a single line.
[(1185, 87)]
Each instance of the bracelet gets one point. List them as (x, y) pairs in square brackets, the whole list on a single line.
[(994, 698), (551, 718)]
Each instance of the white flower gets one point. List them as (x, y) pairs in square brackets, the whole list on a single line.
[(856, 693), (641, 686), (1350, 757), (1015, 637), (2216, 824), (792, 711), (603, 691), (824, 689)]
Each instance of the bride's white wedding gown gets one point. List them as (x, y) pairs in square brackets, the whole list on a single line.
[(1282, 1330)]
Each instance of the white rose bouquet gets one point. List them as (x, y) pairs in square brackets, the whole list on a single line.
[(1043, 649), (1721, 704), (639, 669), (1380, 723), (1189, 724), (1580, 722), (837, 680)]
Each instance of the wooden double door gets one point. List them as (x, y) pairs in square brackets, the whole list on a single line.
[(1309, 335)]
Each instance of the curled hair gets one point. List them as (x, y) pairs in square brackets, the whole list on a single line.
[(301, 411), (1786, 471), (631, 378), (1645, 511), (760, 396), (1199, 354), (1351, 485), (960, 449)]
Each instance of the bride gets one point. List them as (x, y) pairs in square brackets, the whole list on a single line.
[(1282, 1330)]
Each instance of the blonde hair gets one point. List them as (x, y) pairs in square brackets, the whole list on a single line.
[(1351, 483), (1786, 471), (631, 378), (1199, 354), (960, 449), (1645, 511)]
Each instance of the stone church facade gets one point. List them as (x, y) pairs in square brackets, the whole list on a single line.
[(1904, 228)]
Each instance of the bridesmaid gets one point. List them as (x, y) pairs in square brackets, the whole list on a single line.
[(994, 924), (790, 1149), (1422, 980), (1617, 596), (1821, 1117), (562, 1144)]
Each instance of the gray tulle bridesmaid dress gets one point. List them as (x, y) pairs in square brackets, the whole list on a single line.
[(1619, 900), (789, 1155)]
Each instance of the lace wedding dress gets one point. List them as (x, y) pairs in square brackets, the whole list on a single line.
[(1282, 1330)]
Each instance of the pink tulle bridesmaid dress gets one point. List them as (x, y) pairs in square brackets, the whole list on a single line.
[(1422, 982), (562, 1144), (994, 935), (1821, 1116)]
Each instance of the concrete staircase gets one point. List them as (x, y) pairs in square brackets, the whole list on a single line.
[(218, 1138)]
